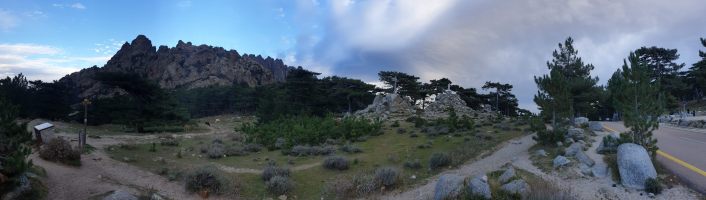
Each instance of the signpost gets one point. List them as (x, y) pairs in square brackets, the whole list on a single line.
[(82, 135)]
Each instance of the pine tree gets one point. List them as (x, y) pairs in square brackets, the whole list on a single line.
[(582, 86), (554, 97), (697, 74), (14, 147), (638, 101)]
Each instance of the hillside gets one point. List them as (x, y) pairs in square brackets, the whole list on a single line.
[(183, 66)]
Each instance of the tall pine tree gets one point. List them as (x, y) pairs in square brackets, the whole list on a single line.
[(638, 101), (582, 86), (697, 75)]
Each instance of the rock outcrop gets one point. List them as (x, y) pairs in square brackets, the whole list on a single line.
[(560, 161), (518, 186), (479, 187), (385, 106), (444, 102), (580, 121), (183, 66), (120, 195), (634, 166)]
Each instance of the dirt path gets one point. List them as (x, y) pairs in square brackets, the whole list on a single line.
[(493, 162), (586, 187)]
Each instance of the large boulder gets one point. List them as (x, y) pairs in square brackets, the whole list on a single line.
[(387, 106), (120, 195), (583, 158), (573, 149), (580, 121), (479, 187), (449, 186), (634, 165), (507, 175), (595, 126), (560, 161), (517, 186)]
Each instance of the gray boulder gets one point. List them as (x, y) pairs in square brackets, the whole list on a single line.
[(575, 133), (634, 165), (595, 126), (120, 195), (599, 170), (560, 161), (573, 149), (583, 158), (449, 186), (479, 187), (518, 186), (507, 175), (580, 121)]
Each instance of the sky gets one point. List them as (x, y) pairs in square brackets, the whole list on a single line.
[(469, 42)]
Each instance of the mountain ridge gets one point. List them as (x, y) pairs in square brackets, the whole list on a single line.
[(183, 66)]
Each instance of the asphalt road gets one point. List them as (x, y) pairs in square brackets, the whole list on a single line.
[(686, 145)]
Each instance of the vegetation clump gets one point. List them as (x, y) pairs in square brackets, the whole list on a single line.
[(206, 179), (439, 160), (349, 148), (653, 186), (301, 150), (272, 170), (279, 185), (216, 150), (413, 164), (336, 163), (387, 176), (59, 150)]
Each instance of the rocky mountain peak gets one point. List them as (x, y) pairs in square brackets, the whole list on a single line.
[(183, 66)]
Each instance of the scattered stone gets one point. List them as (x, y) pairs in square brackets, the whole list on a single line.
[(517, 186), (479, 186), (560, 161), (580, 121), (507, 175), (599, 170), (159, 160), (569, 141), (449, 186), (413, 177), (583, 158), (573, 149), (127, 159), (120, 195), (651, 195), (575, 133), (282, 197), (559, 144), (541, 152), (635, 166)]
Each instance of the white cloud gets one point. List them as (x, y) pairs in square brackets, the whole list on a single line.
[(78, 6), (42, 62), (8, 20)]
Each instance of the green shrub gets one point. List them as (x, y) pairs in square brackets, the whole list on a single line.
[(413, 164), (279, 185), (272, 171), (349, 148), (235, 151), (336, 163), (169, 142), (365, 184), (545, 136), (206, 179), (395, 124), (439, 160), (252, 147), (387, 176), (340, 187), (653, 186), (308, 130), (216, 150), (59, 150)]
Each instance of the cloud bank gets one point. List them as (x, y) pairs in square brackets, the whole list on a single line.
[(471, 42)]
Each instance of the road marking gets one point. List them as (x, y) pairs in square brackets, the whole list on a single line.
[(682, 163), (672, 158)]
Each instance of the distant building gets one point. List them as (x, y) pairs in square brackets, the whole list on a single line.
[(43, 132)]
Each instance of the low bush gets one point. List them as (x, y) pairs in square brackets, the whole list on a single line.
[(279, 185), (612, 161), (653, 186), (364, 184), (439, 160), (216, 150), (252, 147), (336, 163), (169, 142), (387, 176), (413, 164), (395, 124), (235, 151), (339, 188), (206, 179), (349, 148), (272, 171), (401, 130), (301, 150), (59, 150)]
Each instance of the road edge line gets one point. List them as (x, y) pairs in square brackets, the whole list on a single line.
[(670, 157)]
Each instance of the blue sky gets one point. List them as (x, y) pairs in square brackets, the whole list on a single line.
[(469, 42)]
